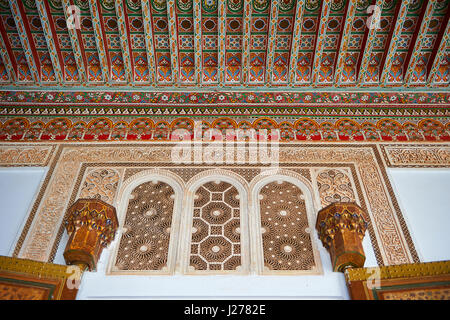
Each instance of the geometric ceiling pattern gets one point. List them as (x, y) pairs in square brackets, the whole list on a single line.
[(225, 43)]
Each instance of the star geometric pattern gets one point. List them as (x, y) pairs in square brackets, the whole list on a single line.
[(216, 238)]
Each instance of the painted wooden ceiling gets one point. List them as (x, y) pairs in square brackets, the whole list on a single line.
[(225, 43)]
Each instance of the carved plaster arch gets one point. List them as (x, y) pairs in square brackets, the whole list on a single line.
[(146, 175), (177, 184), (208, 175), (255, 219), (191, 187), (285, 173)]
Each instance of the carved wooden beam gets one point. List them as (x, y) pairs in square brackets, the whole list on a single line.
[(221, 43), (52, 42), (20, 19), (320, 39), (413, 58), (6, 58), (173, 42), (91, 225), (125, 40), (295, 47), (368, 49), (437, 44), (24, 279), (246, 34), (345, 35), (197, 15), (441, 58), (75, 39), (388, 42), (149, 46), (363, 45), (341, 227), (272, 41), (389, 56), (100, 39)]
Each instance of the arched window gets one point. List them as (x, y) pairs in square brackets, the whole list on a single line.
[(146, 229), (217, 228), (283, 226), (208, 225), (216, 239)]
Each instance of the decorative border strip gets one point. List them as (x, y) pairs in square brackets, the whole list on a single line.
[(121, 98), (33, 268), (407, 156), (251, 111), (29, 156), (138, 128), (399, 271)]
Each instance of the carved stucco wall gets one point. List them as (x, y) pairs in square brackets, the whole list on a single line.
[(100, 184), (358, 170)]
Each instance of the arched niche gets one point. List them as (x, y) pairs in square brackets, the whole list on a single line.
[(215, 221), (284, 240), (149, 206)]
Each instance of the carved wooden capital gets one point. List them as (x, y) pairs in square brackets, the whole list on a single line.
[(341, 228), (91, 225)]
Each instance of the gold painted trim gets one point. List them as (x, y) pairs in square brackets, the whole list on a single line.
[(399, 271), (35, 268)]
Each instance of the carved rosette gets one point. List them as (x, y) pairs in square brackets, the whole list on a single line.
[(341, 228), (91, 225)]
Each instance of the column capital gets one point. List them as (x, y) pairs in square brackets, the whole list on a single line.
[(91, 225), (342, 227)]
